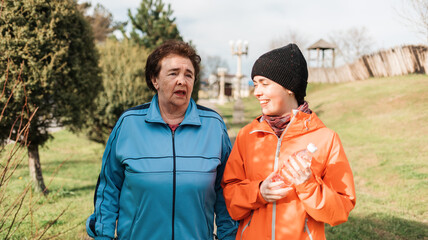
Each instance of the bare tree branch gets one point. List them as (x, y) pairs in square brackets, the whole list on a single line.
[(352, 43), (414, 14), (290, 36)]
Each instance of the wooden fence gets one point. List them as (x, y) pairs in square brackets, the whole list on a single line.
[(393, 62)]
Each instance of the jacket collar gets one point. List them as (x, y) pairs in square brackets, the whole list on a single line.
[(190, 118)]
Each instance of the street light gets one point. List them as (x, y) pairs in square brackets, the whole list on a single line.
[(238, 48)]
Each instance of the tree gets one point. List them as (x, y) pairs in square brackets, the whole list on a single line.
[(211, 64), (415, 14), (352, 43), (101, 21), (152, 25), (124, 84), (291, 36), (48, 45)]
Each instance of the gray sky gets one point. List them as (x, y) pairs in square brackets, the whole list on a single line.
[(211, 24)]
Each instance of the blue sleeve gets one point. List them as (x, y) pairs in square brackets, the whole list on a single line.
[(226, 226), (102, 223)]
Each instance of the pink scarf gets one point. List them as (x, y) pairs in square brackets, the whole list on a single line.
[(278, 124)]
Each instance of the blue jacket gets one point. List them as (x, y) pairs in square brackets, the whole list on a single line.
[(163, 185)]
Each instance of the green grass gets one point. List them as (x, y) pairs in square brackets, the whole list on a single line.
[(383, 125), (72, 164)]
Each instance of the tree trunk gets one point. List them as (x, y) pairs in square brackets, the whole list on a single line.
[(36, 169)]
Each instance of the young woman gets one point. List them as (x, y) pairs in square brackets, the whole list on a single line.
[(321, 192)]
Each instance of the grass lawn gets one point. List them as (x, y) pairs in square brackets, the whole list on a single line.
[(70, 165), (383, 125)]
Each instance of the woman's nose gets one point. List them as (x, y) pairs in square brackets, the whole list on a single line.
[(181, 79), (257, 91)]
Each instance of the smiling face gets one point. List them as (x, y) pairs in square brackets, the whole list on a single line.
[(274, 99), (174, 83)]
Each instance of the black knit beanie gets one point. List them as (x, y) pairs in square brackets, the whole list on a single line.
[(286, 66)]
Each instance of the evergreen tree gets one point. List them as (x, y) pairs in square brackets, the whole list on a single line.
[(153, 24), (124, 84), (49, 48), (123, 64)]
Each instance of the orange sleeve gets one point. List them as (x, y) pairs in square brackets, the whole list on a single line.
[(240, 193), (330, 198)]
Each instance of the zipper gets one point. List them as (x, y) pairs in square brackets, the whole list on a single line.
[(306, 229), (173, 181), (247, 225), (275, 167)]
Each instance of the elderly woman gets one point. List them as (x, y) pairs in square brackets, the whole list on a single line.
[(322, 190), (163, 163)]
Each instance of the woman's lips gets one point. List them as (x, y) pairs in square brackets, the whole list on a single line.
[(181, 93), (263, 102)]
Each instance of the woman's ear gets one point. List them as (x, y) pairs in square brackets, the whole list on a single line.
[(155, 83)]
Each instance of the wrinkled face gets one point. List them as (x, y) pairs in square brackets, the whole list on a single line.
[(274, 99), (174, 83)]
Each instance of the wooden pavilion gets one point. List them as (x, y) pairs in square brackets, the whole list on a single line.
[(322, 45)]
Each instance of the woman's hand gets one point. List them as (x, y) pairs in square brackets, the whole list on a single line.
[(297, 170), (273, 191)]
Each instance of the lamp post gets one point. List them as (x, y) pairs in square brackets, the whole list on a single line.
[(238, 48)]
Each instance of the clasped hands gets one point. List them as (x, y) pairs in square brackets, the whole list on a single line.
[(296, 171)]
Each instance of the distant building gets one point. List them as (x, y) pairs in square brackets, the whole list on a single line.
[(320, 47), (211, 86)]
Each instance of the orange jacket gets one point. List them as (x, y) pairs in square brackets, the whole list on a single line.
[(327, 197)]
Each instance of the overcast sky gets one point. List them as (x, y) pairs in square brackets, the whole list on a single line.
[(211, 24)]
